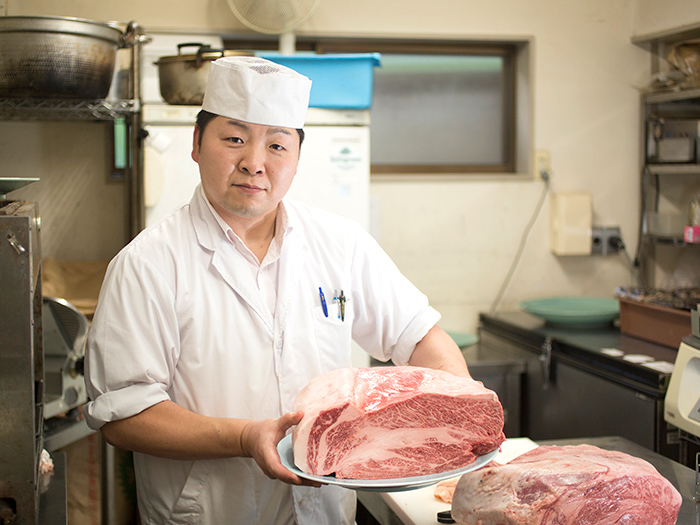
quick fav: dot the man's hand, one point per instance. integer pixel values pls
(259, 440)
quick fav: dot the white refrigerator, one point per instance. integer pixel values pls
(333, 172)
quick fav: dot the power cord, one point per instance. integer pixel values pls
(545, 189)
(616, 243)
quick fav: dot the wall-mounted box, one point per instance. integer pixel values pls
(571, 224)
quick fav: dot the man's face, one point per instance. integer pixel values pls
(246, 169)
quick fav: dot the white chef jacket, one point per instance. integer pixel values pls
(180, 318)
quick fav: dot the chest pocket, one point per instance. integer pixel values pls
(333, 335)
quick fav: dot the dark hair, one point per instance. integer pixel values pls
(205, 117)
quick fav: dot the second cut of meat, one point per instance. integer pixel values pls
(394, 422)
(570, 485)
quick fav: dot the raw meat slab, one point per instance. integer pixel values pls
(394, 422)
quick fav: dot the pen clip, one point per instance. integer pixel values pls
(341, 300)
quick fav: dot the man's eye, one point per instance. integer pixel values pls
(236, 140)
(277, 147)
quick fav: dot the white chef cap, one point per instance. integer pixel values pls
(258, 91)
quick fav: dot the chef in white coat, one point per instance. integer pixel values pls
(210, 322)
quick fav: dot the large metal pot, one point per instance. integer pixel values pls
(183, 77)
(57, 57)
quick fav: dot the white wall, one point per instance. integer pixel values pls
(456, 237)
(586, 114)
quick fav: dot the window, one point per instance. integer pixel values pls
(443, 106)
(441, 113)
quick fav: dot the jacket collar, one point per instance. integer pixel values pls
(211, 230)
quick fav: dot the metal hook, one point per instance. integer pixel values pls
(15, 244)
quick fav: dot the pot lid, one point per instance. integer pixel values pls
(203, 53)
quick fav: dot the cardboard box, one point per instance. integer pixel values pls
(84, 476)
(339, 81)
(658, 324)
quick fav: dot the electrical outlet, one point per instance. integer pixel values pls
(605, 240)
(541, 163)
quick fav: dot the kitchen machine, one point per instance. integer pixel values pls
(41, 355)
(682, 404)
(21, 359)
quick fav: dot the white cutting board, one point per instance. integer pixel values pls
(420, 507)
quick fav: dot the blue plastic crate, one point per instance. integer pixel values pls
(341, 81)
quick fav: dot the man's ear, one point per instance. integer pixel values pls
(195, 144)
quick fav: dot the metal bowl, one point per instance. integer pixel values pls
(57, 57)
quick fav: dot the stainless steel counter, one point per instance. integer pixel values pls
(588, 346)
(624, 380)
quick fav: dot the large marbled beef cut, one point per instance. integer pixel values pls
(571, 485)
(394, 422)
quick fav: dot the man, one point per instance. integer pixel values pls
(210, 322)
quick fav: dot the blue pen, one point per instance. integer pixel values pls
(323, 301)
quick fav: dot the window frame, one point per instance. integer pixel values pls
(517, 125)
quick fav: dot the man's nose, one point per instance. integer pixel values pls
(252, 161)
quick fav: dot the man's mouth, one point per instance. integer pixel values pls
(249, 187)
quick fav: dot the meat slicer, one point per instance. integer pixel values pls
(65, 331)
(682, 403)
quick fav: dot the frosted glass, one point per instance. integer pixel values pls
(438, 110)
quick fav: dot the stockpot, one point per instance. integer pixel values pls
(183, 77)
(57, 57)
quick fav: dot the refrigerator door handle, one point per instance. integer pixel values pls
(546, 363)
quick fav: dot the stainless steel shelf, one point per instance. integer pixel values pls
(680, 104)
(672, 96)
(66, 109)
(673, 169)
(666, 239)
(671, 36)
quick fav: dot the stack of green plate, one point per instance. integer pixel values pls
(574, 311)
